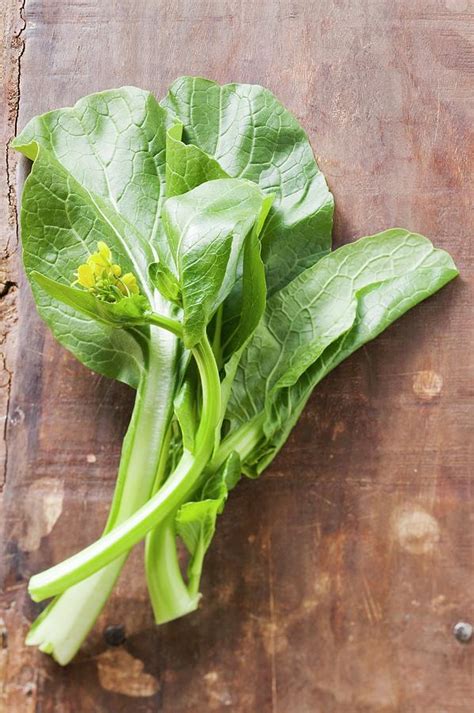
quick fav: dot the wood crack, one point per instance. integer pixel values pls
(13, 46)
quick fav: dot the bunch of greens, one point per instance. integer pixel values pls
(184, 248)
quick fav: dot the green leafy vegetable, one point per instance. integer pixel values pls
(251, 135)
(207, 229)
(184, 249)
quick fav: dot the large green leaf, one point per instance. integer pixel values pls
(98, 174)
(251, 135)
(376, 310)
(113, 143)
(207, 229)
(326, 313)
(61, 224)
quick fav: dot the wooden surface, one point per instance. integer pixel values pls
(335, 580)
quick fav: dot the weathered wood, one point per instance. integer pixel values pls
(11, 47)
(334, 581)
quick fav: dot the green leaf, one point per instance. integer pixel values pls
(207, 229)
(186, 165)
(224, 480)
(196, 520)
(362, 286)
(113, 144)
(165, 281)
(128, 312)
(61, 224)
(98, 174)
(245, 305)
(376, 310)
(251, 135)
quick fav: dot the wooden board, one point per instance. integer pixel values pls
(335, 580)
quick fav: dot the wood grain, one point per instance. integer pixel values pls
(335, 580)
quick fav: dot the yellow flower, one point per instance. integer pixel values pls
(104, 251)
(103, 278)
(129, 281)
(101, 261)
(85, 276)
(97, 263)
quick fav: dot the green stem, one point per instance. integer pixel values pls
(62, 627)
(174, 491)
(169, 594)
(161, 320)
(242, 441)
(170, 597)
(216, 339)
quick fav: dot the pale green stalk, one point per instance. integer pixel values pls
(62, 627)
(175, 490)
(170, 596)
